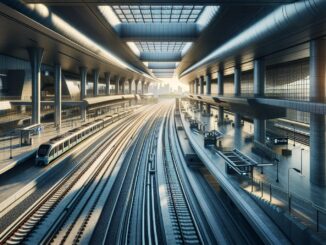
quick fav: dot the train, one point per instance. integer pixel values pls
(58, 145)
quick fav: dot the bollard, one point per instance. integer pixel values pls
(270, 192)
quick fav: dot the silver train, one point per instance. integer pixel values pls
(55, 147)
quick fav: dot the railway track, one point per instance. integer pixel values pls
(122, 220)
(44, 220)
(184, 224)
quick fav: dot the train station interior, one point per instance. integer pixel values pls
(162, 122)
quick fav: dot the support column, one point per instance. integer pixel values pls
(259, 130)
(220, 91)
(201, 82)
(237, 82)
(147, 87)
(208, 79)
(136, 86)
(107, 82)
(259, 91)
(117, 85)
(193, 83)
(130, 83)
(237, 120)
(317, 121)
(220, 82)
(83, 82)
(208, 84)
(83, 91)
(237, 93)
(201, 91)
(259, 78)
(220, 115)
(36, 56)
(58, 82)
(123, 86)
(142, 87)
(196, 86)
(96, 75)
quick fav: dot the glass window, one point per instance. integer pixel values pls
(43, 150)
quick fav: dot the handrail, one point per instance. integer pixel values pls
(314, 205)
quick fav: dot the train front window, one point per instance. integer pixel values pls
(43, 150)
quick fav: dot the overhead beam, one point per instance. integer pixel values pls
(158, 31)
(159, 65)
(161, 2)
(166, 75)
(152, 57)
(163, 71)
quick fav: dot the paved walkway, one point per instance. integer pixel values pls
(302, 191)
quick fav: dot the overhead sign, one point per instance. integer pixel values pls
(280, 141)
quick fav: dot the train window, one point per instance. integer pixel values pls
(60, 147)
(65, 144)
(51, 153)
(43, 150)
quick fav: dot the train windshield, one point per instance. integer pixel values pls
(43, 150)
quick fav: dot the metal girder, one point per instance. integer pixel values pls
(164, 75)
(170, 2)
(163, 71)
(159, 65)
(158, 31)
(150, 56)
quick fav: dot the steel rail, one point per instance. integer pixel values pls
(27, 222)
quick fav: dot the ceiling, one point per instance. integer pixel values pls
(164, 39)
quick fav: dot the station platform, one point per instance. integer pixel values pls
(305, 196)
(18, 154)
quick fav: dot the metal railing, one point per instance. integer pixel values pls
(305, 210)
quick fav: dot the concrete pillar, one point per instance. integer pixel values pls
(259, 78)
(237, 120)
(317, 121)
(123, 86)
(142, 87)
(237, 82)
(35, 56)
(237, 92)
(208, 79)
(196, 86)
(220, 82)
(83, 82)
(259, 91)
(201, 86)
(107, 83)
(83, 91)
(259, 130)
(193, 83)
(147, 87)
(136, 86)
(201, 82)
(220, 115)
(130, 83)
(208, 84)
(58, 82)
(96, 75)
(117, 86)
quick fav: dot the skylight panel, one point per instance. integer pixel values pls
(158, 13)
